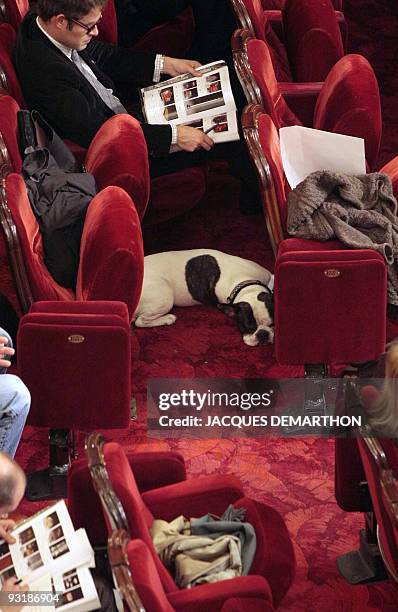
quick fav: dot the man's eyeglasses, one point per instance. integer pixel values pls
(85, 26)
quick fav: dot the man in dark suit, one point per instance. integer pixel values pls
(74, 91)
(71, 78)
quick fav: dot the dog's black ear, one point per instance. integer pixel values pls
(268, 299)
(228, 309)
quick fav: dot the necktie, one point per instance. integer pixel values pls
(105, 94)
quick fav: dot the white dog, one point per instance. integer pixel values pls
(240, 288)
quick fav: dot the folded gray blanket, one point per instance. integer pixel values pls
(360, 211)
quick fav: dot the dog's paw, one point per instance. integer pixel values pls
(155, 320)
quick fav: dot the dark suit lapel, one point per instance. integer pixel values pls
(101, 76)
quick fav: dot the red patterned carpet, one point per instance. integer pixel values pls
(293, 475)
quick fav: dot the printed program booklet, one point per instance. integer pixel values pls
(51, 557)
(204, 102)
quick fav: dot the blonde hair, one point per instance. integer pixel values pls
(383, 417)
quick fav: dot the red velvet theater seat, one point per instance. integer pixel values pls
(136, 577)
(312, 42)
(173, 38)
(14, 11)
(274, 557)
(150, 469)
(348, 102)
(312, 37)
(111, 254)
(341, 291)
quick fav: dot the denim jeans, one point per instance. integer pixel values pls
(14, 408)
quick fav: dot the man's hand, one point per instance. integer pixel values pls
(190, 139)
(10, 586)
(173, 66)
(7, 525)
(4, 351)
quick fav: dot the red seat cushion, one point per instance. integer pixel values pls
(242, 594)
(118, 156)
(111, 250)
(349, 103)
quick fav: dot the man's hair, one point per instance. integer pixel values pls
(10, 473)
(72, 9)
(7, 490)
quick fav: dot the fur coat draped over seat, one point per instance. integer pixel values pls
(360, 211)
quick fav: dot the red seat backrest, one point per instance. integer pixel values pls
(107, 27)
(312, 37)
(251, 16)
(349, 103)
(260, 63)
(111, 250)
(262, 141)
(9, 129)
(269, 140)
(7, 43)
(16, 11)
(257, 17)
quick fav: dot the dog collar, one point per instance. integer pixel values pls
(232, 296)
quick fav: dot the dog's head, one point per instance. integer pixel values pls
(254, 315)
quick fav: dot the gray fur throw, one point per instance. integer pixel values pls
(360, 211)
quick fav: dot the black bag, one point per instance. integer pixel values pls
(59, 194)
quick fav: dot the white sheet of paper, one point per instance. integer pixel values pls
(305, 150)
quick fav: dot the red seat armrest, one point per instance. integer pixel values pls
(301, 99)
(275, 19)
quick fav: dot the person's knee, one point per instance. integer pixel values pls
(15, 393)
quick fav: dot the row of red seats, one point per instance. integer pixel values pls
(64, 334)
(305, 39)
(346, 102)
